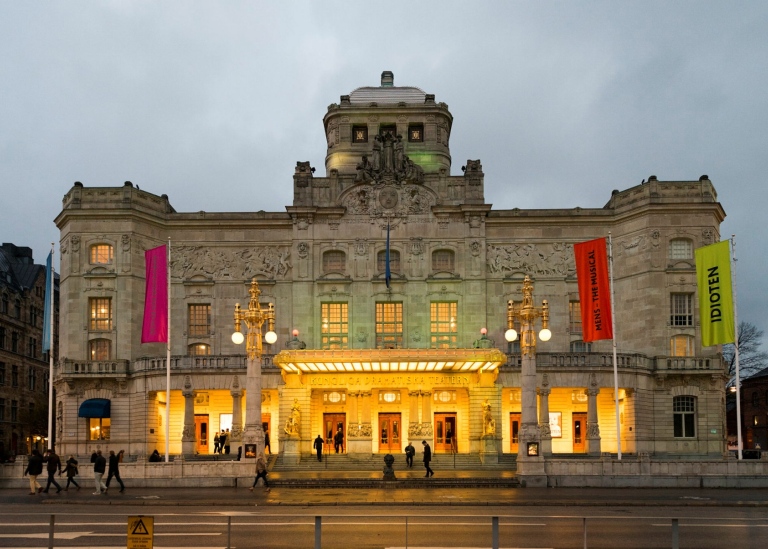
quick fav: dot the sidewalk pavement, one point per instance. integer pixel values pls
(380, 493)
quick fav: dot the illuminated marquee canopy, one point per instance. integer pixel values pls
(390, 360)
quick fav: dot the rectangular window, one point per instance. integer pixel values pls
(684, 412)
(681, 310)
(14, 410)
(2, 337)
(14, 376)
(574, 313)
(2, 373)
(101, 254)
(389, 325)
(199, 320)
(98, 428)
(681, 345)
(2, 409)
(31, 347)
(442, 260)
(334, 261)
(335, 325)
(443, 324)
(100, 349)
(31, 379)
(15, 342)
(581, 347)
(101, 313)
(680, 248)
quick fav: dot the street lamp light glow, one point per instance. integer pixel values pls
(510, 335)
(238, 338)
(545, 335)
(270, 337)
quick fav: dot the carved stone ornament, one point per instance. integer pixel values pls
(303, 249)
(388, 163)
(535, 259)
(225, 263)
(388, 200)
(420, 430)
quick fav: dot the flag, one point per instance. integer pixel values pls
(48, 308)
(387, 271)
(713, 275)
(155, 327)
(594, 289)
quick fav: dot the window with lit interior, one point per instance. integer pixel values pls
(574, 317)
(199, 320)
(100, 313)
(389, 325)
(334, 326)
(199, 349)
(100, 349)
(98, 428)
(101, 254)
(681, 345)
(443, 324)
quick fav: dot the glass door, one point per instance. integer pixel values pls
(579, 432)
(514, 432)
(445, 433)
(201, 433)
(332, 425)
(389, 433)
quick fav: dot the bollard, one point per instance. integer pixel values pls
(50, 532)
(585, 532)
(675, 534)
(229, 531)
(495, 529)
(318, 523)
(406, 532)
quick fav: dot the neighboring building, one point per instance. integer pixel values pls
(24, 368)
(388, 363)
(754, 412)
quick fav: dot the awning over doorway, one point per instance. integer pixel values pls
(390, 360)
(95, 407)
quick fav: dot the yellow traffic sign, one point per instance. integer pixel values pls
(141, 532)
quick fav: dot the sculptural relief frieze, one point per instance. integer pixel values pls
(538, 259)
(388, 200)
(230, 263)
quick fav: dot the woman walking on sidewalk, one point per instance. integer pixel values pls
(261, 472)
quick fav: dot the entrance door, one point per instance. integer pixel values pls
(579, 432)
(266, 419)
(389, 433)
(332, 423)
(445, 433)
(514, 432)
(201, 433)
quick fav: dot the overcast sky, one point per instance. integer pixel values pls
(212, 103)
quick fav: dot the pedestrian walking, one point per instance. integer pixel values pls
(267, 447)
(338, 440)
(114, 470)
(410, 451)
(427, 459)
(216, 443)
(99, 466)
(261, 472)
(226, 442)
(53, 466)
(34, 469)
(71, 471)
(318, 445)
(222, 441)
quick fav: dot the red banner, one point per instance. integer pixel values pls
(155, 327)
(594, 289)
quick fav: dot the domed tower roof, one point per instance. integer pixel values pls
(407, 111)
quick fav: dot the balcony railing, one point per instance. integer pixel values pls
(94, 367)
(623, 360)
(198, 362)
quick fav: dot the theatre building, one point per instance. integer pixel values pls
(389, 278)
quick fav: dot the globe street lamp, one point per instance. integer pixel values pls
(530, 461)
(254, 318)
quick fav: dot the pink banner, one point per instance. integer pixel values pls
(155, 327)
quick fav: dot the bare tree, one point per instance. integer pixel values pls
(751, 359)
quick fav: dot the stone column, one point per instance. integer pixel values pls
(593, 428)
(253, 432)
(546, 432)
(237, 414)
(426, 412)
(414, 420)
(188, 439)
(530, 468)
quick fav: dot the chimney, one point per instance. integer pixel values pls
(387, 79)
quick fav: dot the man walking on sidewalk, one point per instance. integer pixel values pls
(114, 470)
(319, 447)
(53, 465)
(34, 468)
(427, 458)
(99, 466)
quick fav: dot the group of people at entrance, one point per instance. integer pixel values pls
(221, 442)
(410, 451)
(338, 443)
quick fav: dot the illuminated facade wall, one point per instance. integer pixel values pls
(454, 261)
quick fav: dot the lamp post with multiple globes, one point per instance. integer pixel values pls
(530, 463)
(254, 318)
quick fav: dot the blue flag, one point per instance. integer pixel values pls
(387, 272)
(48, 303)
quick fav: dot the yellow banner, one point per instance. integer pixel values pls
(713, 274)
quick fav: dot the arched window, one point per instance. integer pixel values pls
(394, 261)
(101, 254)
(334, 261)
(443, 260)
(680, 248)
(100, 349)
(684, 416)
(581, 347)
(681, 345)
(199, 349)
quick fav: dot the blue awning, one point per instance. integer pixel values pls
(95, 407)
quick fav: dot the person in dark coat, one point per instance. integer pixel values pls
(222, 441)
(99, 466)
(410, 451)
(53, 465)
(216, 443)
(318, 445)
(267, 447)
(71, 471)
(34, 469)
(226, 442)
(427, 458)
(114, 470)
(261, 472)
(155, 457)
(338, 441)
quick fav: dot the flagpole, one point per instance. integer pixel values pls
(613, 339)
(736, 347)
(50, 358)
(168, 362)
